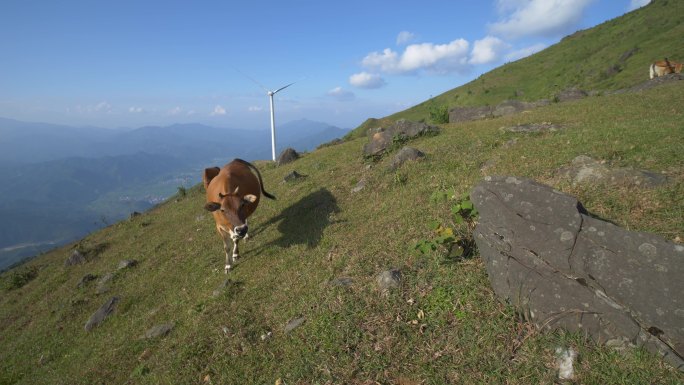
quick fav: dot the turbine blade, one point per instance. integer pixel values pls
(250, 78)
(282, 88)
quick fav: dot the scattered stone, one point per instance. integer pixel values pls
(533, 127)
(510, 107)
(294, 323)
(510, 143)
(199, 218)
(466, 114)
(85, 279)
(561, 268)
(266, 336)
(294, 175)
(103, 312)
(388, 280)
(652, 83)
(127, 263)
(76, 258)
(585, 169)
(405, 154)
(342, 282)
(103, 283)
(382, 138)
(287, 156)
(159, 330)
(359, 186)
(565, 358)
(571, 94)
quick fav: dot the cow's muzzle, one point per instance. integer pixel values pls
(240, 231)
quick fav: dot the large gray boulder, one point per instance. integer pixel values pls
(562, 268)
(383, 138)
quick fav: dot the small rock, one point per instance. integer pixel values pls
(294, 175)
(287, 156)
(145, 355)
(76, 258)
(388, 280)
(293, 324)
(405, 154)
(159, 330)
(565, 359)
(266, 336)
(103, 283)
(103, 312)
(359, 186)
(127, 263)
(342, 281)
(85, 279)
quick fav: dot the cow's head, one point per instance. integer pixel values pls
(232, 207)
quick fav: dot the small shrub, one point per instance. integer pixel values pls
(439, 114)
(182, 192)
(21, 277)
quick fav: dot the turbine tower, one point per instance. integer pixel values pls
(273, 138)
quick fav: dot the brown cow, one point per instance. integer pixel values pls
(233, 193)
(664, 67)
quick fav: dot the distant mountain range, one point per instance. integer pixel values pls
(57, 183)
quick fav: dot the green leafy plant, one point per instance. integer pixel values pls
(454, 241)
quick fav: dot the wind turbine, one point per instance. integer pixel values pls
(270, 97)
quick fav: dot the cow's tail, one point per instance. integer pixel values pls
(652, 72)
(256, 170)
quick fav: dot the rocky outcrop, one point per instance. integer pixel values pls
(562, 268)
(466, 114)
(288, 155)
(76, 258)
(383, 138)
(571, 94)
(584, 169)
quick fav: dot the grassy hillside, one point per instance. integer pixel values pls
(610, 56)
(444, 325)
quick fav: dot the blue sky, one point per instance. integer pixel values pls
(134, 63)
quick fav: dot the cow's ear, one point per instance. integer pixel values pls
(250, 198)
(212, 206)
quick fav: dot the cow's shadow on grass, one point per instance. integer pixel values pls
(304, 221)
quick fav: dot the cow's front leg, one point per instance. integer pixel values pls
(229, 260)
(236, 252)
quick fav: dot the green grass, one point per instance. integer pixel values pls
(444, 325)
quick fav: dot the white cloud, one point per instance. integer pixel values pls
(405, 37)
(341, 94)
(439, 58)
(255, 108)
(175, 110)
(525, 52)
(366, 80)
(191, 112)
(538, 17)
(136, 110)
(487, 50)
(634, 4)
(103, 107)
(218, 110)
